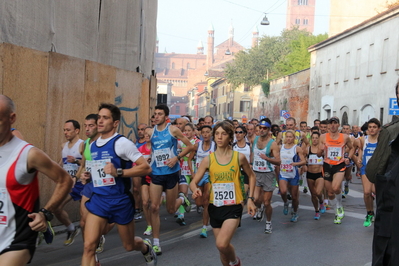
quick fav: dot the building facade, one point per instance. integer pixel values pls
(301, 13)
(353, 73)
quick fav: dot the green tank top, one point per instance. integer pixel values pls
(86, 151)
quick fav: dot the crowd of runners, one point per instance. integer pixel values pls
(227, 166)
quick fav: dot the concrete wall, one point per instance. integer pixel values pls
(289, 93)
(355, 72)
(50, 88)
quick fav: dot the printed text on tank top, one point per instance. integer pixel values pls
(335, 149)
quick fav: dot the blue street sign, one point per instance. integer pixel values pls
(230, 118)
(282, 112)
(287, 115)
(393, 107)
(262, 117)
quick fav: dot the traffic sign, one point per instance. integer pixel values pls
(393, 106)
(286, 115)
(282, 112)
(244, 119)
(230, 118)
(262, 117)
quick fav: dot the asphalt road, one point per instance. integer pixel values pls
(307, 242)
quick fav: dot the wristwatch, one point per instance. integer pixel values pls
(49, 216)
(119, 172)
(252, 198)
(178, 157)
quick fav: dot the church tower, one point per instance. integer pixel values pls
(255, 37)
(211, 45)
(301, 13)
(231, 35)
(200, 48)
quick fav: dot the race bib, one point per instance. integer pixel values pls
(314, 160)
(259, 164)
(285, 166)
(3, 207)
(71, 168)
(161, 156)
(99, 177)
(185, 170)
(223, 194)
(334, 153)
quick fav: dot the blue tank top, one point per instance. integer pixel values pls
(138, 144)
(368, 150)
(107, 151)
(163, 148)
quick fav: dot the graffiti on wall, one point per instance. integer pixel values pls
(129, 119)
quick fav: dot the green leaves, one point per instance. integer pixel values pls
(275, 56)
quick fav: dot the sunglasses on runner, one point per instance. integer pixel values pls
(239, 132)
(264, 128)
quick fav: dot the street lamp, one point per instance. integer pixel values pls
(265, 21)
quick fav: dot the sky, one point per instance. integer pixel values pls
(181, 24)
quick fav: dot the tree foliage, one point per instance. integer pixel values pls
(274, 57)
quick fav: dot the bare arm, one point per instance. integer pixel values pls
(200, 173)
(301, 157)
(142, 168)
(321, 146)
(190, 159)
(251, 176)
(275, 152)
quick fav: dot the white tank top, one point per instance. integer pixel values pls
(17, 188)
(246, 150)
(287, 158)
(201, 153)
(71, 168)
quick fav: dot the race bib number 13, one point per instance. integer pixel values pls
(223, 194)
(3, 207)
(99, 177)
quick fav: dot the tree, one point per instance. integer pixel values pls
(269, 60)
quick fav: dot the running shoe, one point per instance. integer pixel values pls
(238, 262)
(268, 228)
(186, 203)
(148, 231)
(151, 256)
(327, 206)
(71, 236)
(337, 220)
(340, 212)
(157, 249)
(180, 220)
(260, 213)
(138, 215)
(285, 209)
(49, 234)
(368, 221)
(39, 238)
(322, 208)
(294, 217)
(100, 247)
(317, 216)
(343, 195)
(204, 233)
(305, 190)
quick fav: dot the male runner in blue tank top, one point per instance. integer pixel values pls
(112, 202)
(165, 169)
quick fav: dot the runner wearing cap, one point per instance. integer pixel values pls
(265, 154)
(333, 145)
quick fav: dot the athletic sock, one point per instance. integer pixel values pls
(71, 227)
(234, 262)
(339, 200)
(333, 203)
(156, 241)
(182, 200)
(326, 202)
(204, 226)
